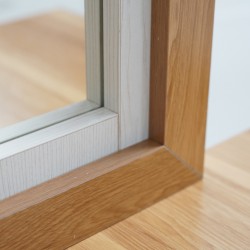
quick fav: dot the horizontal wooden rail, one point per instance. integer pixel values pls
(70, 208)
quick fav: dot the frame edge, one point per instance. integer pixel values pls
(129, 181)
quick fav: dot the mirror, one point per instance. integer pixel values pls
(47, 49)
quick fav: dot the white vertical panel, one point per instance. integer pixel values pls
(112, 46)
(135, 71)
(93, 48)
(127, 35)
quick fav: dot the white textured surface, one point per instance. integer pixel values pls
(135, 71)
(127, 61)
(93, 51)
(112, 48)
(73, 144)
(229, 100)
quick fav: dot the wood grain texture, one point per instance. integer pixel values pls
(180, 69)
(56, 150)
(132, 182)
(211, 214)
(42, 67)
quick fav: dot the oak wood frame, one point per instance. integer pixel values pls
(70, 208)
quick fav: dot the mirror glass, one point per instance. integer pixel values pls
(43, 63)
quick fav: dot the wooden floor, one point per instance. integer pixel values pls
(42, 65)
(212, 214)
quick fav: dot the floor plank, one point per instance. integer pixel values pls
(212, 214)
(42, 65)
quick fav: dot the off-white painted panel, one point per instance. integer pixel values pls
(135, 71)
(63, 147)
(127, 30)
(66, 146)
(93, 47)
(112, 47)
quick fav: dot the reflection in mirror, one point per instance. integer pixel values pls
(43, 63)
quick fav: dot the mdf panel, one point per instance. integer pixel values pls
(111, 53)
(93, 47)
(127, 30)
(56, 150)
(135, 71)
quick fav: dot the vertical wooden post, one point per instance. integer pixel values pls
(180, 69)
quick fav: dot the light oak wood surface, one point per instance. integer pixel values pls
(91, 198)
(212, 214)
(42, 65)
(180, 69)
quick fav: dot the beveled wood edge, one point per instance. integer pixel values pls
(92, 198)
(75, 178)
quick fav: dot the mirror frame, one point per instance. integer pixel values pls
(68, 209)
(93, 19)
(61, 148)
